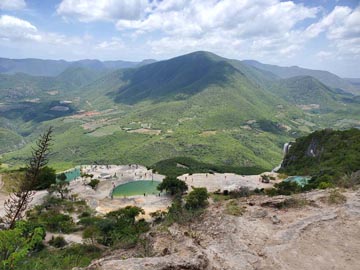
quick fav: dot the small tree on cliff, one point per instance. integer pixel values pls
(19, 200)
(173, 186)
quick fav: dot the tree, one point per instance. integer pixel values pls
(173, 186)
(16, 243)
(127, 214)
(197, 198)
(61, 187)
(19, 200)
(62, 177)
(94, 183)
(46, 178)
(91, 233)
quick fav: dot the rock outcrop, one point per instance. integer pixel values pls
(316, 233)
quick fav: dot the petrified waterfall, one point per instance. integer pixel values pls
(286, 148)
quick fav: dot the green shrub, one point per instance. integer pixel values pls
(292, 203)
(197, 198)
(16, 243)
(85, 214)
(271, 192)
(173, 186)
(67, 258)
(94, 183)
(287, 188)
(57, 241)
(325, 185)
(56, 222)
(91, 234)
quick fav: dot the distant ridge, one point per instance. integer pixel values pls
(325, 77)
(52, 68)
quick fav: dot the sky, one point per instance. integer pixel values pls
(317, 34)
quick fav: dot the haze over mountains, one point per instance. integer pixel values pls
(199, 105)
(40, 67)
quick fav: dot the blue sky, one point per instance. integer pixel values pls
(318, 34)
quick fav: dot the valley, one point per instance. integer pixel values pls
(198, 137)
(201, 106)
(179, 135)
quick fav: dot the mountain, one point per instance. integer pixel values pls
(39, 67)
(325, 77)
(201, 107)
(355, 82)
(77, 76)
(177, 78)
(306, 90)
(21, 86)
(36, 67)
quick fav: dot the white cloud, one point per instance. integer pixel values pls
(12, 4)
(105, 10)
(347, 27)
(342, 29)
(242, 25)
(113, 44)
(339, 13)
(13, 28)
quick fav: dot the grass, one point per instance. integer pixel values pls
(335, 197)
(61, 259)
(219, 197)
(232, 208)
(293, 202)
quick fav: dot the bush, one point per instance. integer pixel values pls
(94, 183)
(158, 216)
(91, 233)
(57, 242)
(118, 228)
(325, 185)
(85, 214)
(287, 188)
(271, 192)
(350, 180)
(55, 222)
(197, 198)
(241, 192)
(335, 197)
(66, 258)
(173, 186)
(292, 203)
(16, 243)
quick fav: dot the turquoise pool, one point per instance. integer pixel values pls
(300, 180)
(137, 187)
(72, 174)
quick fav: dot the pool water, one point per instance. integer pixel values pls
(300, 180)
(72, 174)
(138, 187)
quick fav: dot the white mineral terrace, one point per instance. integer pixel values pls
(111, 176)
